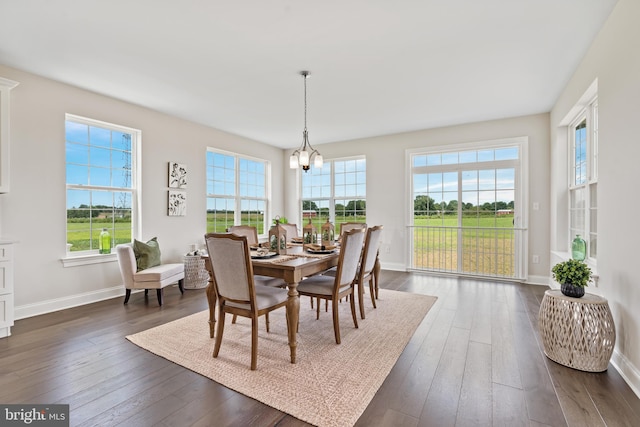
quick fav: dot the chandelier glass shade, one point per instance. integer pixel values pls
(303, 155)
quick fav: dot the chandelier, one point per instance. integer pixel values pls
(303, 155)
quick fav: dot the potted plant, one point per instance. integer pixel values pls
(573, 276)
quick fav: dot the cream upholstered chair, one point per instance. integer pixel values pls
(346, 226)
(292, 230)
(157, 277)
(342, 285)
(366, 267)
(251, 233)
(235, 288)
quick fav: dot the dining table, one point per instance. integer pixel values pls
(292, 267)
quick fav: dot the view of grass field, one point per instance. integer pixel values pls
(488, 244)
(83, 233)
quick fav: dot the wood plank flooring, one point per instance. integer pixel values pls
(475, 360)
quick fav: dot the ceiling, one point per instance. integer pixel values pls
(377, 66)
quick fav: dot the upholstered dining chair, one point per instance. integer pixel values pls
(251, 233)
(235, 287)
(340, 286)
(292, 230)
(346, 226)
(366, 267)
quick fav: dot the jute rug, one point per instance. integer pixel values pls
(330, 385)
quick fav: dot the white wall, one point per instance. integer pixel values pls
(614, 59)
(386, 192)
(33, 212)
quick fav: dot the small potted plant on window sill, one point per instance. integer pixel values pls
(573, 275)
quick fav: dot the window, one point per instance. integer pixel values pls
(583, 178)
(101, 183)
(465, 207)
(236, 191)
(337, 190)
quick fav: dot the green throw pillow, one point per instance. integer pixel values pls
(147, 254)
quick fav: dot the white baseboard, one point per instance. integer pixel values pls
(629, 372)
(538, 280)
(393, 266)
(30, 310)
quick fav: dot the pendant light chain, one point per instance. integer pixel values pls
(305, 99)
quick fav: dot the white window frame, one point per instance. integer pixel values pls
(331, 199)
(237, 198)
(72, 259)
(583, 219)
(521, 217)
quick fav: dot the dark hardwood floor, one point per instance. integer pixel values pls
(475, 360)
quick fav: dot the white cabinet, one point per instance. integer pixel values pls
(5, 88)
(6, 288)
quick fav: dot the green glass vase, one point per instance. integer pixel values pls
(104, 242)
(578, 248)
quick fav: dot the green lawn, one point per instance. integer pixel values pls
(487, 244)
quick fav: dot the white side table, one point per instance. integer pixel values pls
(577, 332)
(196, 275)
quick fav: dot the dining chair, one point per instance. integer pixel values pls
(235, 287)
(251, 233)
(366, 268)
(292, 231)
(340, 286)
(346, 226)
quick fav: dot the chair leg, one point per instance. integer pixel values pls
(336, 321)
(181, 285)
(266, 318)
(373, 291)
(311, 299)
(254, 343)
(317, 308)
(146, 292)
(360, 298)
(353, 310)
(127, 295)
(235, 317)
(216, 348)
(159, 292)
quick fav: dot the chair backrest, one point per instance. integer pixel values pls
(350, 252)
(346, 226)
(249, 231)
(370, 250)
(127, 263)
(292, 230)
(231, 265)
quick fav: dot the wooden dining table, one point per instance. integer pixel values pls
(292, 268)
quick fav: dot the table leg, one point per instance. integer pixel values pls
(293, 311)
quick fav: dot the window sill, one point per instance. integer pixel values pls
(75, 261)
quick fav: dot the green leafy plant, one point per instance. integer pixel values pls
(282, 219)
(572, 272)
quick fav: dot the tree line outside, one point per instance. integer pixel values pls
(85, 223)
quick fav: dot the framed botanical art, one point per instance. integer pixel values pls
(177, 175)
(177, 203)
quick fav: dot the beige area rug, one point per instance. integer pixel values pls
(330, 385)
